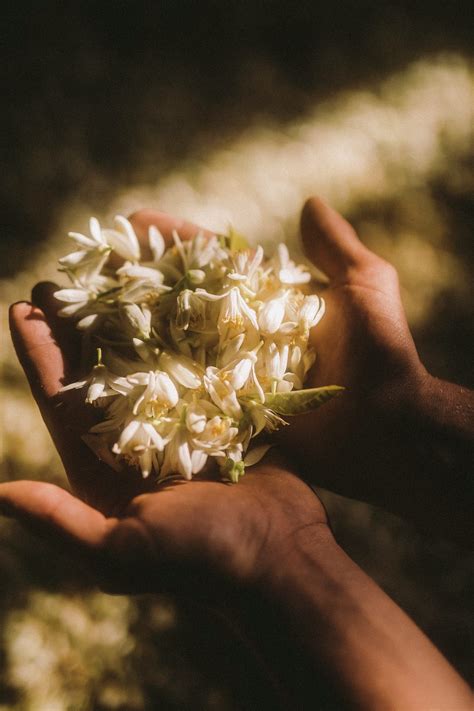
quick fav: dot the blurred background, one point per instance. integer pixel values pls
(226, 112)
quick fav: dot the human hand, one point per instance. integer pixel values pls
(364, 344)
(135, 537)
(397, 437)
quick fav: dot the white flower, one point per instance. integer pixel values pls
(190, 311)
(235, 316)
(96, 241)
(275, 359)
(230, 349)
(271, 314)
(137, 319)
(139, 282)
(156, 242)
(245, 269)
(264, 418)
(87, 263)
(97, 385)
(311, 311)
(221, 392)
(253, 388)
(84, 293)
(87, 322)
(287, 271)
(196, 418)
(158, 396)
(100, 383)
(185, 371)
(123, 240)
(136, 272)
(217, 435)
(238, 372)
(198, 252)
(178, 456)
(139, 444)
(76, 298)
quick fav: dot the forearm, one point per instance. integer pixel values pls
(427, 453)
(338, 624)
(407, 447)
(446, 414)
(441, 451)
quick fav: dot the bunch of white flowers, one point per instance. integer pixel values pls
(199, 347)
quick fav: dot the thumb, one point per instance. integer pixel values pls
(56, 514)
(330, 241)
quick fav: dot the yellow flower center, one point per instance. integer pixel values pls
(217, 429)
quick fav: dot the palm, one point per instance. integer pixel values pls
(212, 528)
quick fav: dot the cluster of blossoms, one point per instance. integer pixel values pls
(200, 346)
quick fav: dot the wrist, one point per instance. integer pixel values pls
(298, 559)
(276, 614)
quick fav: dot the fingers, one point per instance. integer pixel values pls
(55, 513)
(44, 365)
(37, 350)
(143, 219)
(330, 241)
(63, 330)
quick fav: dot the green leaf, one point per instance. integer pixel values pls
(297, 402)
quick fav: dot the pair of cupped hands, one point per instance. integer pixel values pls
(135, 538)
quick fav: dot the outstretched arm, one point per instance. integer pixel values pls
(398, 437)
